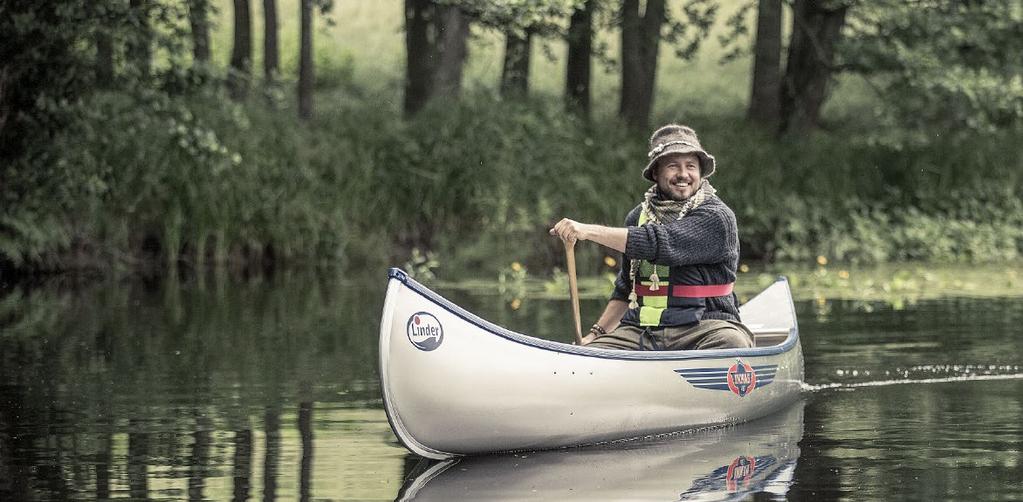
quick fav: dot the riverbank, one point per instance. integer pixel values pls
(193, 180)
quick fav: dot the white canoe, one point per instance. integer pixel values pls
(455, 384)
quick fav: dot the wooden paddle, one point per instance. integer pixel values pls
(573, 287)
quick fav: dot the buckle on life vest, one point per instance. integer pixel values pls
(688, 290)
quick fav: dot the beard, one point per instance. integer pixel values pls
(667, 191)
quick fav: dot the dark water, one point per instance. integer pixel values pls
(264, 390)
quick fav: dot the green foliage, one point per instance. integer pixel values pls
(477, 184)
(941, 65)
(40, 58)
(858, 201)
(539, 16)
(686, 32)
(184, 174)
(420, 265)
(737, 39)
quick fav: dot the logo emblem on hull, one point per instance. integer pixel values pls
(424, 331)
(740, 378)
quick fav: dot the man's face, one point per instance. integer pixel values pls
(678, 175)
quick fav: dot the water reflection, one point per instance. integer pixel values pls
(717, 464)
(272, 429)
(267, 390)
(175, 390)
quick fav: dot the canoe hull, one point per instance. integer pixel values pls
(454, 384)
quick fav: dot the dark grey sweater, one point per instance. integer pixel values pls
(705, 242)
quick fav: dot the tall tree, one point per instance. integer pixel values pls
(641, 36)
(198, 20)
(305, 62)
(435, 51)
(418, 54)
(580, 56)
(452, 50)
(140, 38)
(816, 30)
(271, 54)
(765, 95)
(241, 51)
(515, 70)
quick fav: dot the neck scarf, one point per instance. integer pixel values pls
(659, 211)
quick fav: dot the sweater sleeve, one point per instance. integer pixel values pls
(706, 235)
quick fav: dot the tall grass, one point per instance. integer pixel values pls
(199, 179)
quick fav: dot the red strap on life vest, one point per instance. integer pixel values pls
(687, 290)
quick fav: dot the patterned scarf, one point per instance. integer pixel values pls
(659, 211)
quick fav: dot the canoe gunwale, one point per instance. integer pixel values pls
(790, 342)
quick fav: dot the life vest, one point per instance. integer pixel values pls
(675, 298)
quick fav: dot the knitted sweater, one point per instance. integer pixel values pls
(705, 242)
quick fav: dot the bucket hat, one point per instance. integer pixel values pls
(674, 138)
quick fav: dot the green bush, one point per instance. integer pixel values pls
(476, 182)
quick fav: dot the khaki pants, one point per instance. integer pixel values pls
(706, 334)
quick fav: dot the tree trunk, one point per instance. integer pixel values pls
(305, 62)
(765, 96)
(104, 59)
(198, 18)
(435, 52)
(271, 55)
(418, 53)
(515, 71)
(815, 33)
(139, 42)
(641, 36)
(580, 55)
(453, 49)
(241, 52)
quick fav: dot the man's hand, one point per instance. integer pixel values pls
(589, 338)
(570, 230)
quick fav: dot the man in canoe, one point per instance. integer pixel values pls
(680, 250)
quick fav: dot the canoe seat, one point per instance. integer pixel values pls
(769, 338)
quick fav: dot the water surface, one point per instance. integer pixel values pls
(217, 389)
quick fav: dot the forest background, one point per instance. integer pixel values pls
(448, 135)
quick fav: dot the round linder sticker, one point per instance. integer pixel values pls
(425, 331)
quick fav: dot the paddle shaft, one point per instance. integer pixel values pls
(573, 287)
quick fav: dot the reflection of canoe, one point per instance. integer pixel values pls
(727, 463)
(455, 384)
